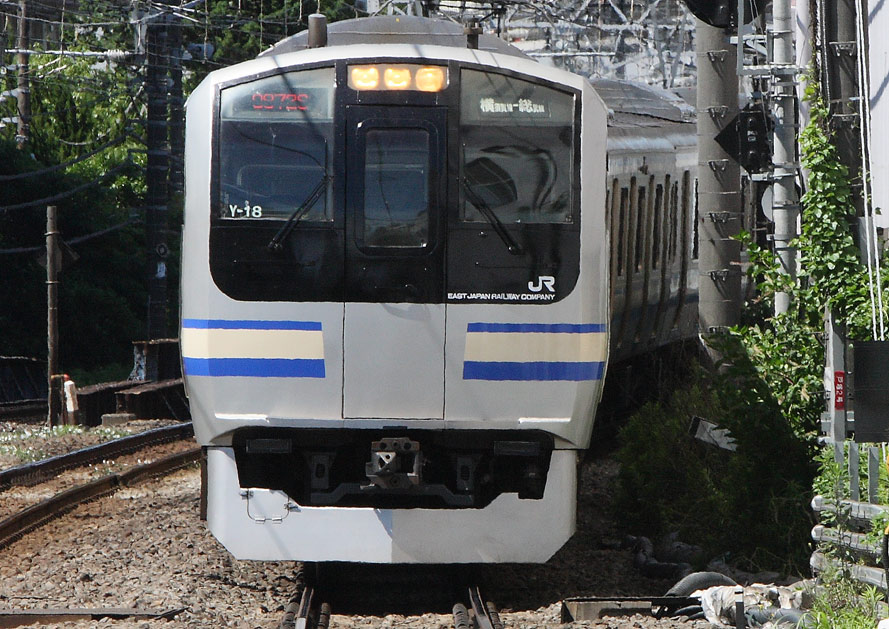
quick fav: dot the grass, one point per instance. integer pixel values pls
(26, 443)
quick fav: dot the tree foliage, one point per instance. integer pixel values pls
(84, 105)
(767, 391)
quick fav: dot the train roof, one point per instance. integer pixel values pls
(627, 99)
(390, 29)
(646, 118)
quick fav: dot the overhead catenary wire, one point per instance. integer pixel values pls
(44, 171)
(67, 193)
(74, 241)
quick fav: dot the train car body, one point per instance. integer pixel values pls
(395, 295)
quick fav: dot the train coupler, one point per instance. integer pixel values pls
(395, 463)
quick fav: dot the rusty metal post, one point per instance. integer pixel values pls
(53, 262)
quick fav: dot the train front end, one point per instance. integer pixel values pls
(394, 302)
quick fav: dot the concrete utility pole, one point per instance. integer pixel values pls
(785, 200)
(23, 129)
(841, 87)
(158, 166)
(53, 262)
(719, 183)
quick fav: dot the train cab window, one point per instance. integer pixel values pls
(517, 150)
(396, 188)
(277, 133)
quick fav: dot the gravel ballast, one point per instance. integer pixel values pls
(146, 548)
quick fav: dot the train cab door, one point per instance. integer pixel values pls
(393, 333)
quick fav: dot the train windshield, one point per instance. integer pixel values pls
(517, 150)
(396, 188)
(278, 134)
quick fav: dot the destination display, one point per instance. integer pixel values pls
(501, 99)
(306, 95)
(311, 102)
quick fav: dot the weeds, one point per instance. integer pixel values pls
(843, 603)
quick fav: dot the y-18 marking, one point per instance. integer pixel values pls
(248, 211)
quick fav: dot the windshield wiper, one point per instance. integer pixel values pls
(275, 244)
(511, 245)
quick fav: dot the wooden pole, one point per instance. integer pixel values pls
(53, 260)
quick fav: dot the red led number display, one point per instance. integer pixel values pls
(280, 101)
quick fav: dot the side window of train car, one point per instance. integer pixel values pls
(277, 134)
(657, 222)
(693, 200)
(639, 246)
(622, 228)
(673, 216)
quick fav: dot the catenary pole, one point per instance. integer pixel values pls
(157, 172)
(719, 197)
(785, 199)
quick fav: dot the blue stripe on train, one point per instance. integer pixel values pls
(570, 371)
(562, 328)
(224, 324)
(256, 367)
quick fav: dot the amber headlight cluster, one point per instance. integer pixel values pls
(398, 77)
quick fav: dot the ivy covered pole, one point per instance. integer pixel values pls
(785, 201)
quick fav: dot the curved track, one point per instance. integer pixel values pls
(38, 471)
(32, 517)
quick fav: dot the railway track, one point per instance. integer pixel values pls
(17, 524)
(38, 471)
(308, 609)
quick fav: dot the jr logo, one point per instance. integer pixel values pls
(547, 281)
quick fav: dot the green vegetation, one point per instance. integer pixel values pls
(843, 603)
(767, 392)
(25, 442)
(93, 110)
(750, 502)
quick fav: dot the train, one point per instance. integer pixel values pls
(409, 254)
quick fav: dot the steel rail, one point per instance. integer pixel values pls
(30, 473)
(27, 520)
(30, 617)
(485, 615)
(299, 613)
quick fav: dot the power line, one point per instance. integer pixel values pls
(67, 193)
(75, 241)
(51, 169)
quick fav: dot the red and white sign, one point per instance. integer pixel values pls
(839, 390)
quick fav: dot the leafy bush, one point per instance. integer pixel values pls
(751, 503)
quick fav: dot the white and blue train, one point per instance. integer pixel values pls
(406, 261)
